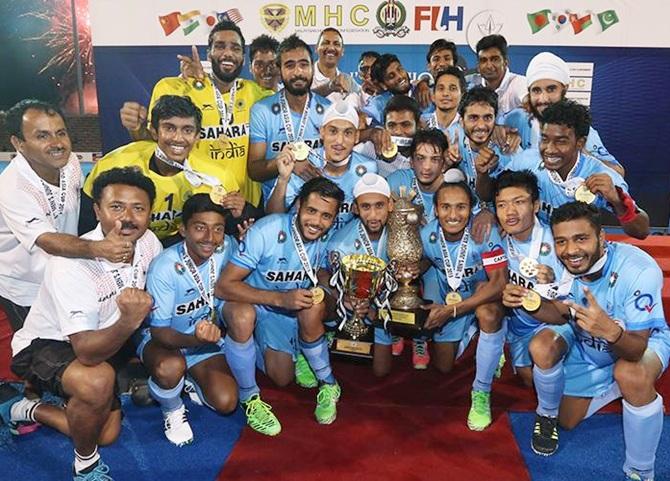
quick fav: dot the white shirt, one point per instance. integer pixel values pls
(383, 168)
(80, 294)
(352, 97)
(26, 214)
(511, 91)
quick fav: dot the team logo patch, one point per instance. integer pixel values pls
(275, 108)
(240, 104)
(361, 170)
(545, 249)
(541, 166)
(198, 85)
(612, 280)
(179, 267)
(319, 109)
(281, 237)
(274, 16)
(432, 238)
(357, 244)
(644, 302)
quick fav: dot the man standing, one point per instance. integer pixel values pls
(448, 89)
(271, 291)
(84, 313)
(619, 342)
(291, 116)
(328, 80)
(39, 207)
(263, 62)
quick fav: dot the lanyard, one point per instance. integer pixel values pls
(224, 111)
(455, 277)
(207, 294)
(194, 177)
(365, 239)
(286, 118)
(535, 243)
(134, 276)
(570, 184)
(302, 253)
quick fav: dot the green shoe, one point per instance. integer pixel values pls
(501, 364)
(479, 417)
(326, 403)
(304, 376)
(330, 338)
(260, 417)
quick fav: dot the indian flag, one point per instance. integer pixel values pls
(189, 21)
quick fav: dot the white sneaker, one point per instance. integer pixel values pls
(192, 392)
(177, 429)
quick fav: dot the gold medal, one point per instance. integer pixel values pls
(583, 194)
(217, 193)
(452, 298)
(531, 301)
(317, 295)
(300, 151)
(391, 152)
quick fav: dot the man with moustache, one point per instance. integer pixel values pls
(263, 62)
(224, 99)
(182, 336)
(565, 172)
(329, 81)
(619, 342)
(175, 166)
(548, 78)
(336, 161)
(85, 311)
(448, 89)
(289, 119)
(471, 278)
(272, 297)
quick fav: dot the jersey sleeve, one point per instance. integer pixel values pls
(595, 146)
(24, 217)
(643, 307)
(251, 249)
(492, 253)
(161, 286)
(259, 124)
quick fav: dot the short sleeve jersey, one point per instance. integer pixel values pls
(231, 156)
(553, 195)
(171, 191)
(267, 127)
(629, 291)
(178, 303)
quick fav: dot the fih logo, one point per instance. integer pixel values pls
(274, 16)
(391, 16)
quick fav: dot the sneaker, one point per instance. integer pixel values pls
(8, 397)
(420, 354)
(398, 346)
(635, 476)
(326, 403)
(479, 417)
(260, 417)
(98, 472)
(330, 338)
(304, 376)
(21, 416)
(176, 426)
(501, 364)
(545, 435)
(192, 392)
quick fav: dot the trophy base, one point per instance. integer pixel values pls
(344, 345)
(407, 322)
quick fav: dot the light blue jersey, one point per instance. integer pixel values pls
(358, 166)
(374, 108)
(267, 126)
(348, 240)
(553, 195)
(529, 130)
(269, 253)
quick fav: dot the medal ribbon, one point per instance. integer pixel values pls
(220, 104)
(302, 253)
(367, 243)
(207, 294)
(535, 243)
(455, 276)
(57, 207)
(286, 118)
(194, 177)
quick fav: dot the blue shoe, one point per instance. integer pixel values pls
(98, 472)
(8, 397)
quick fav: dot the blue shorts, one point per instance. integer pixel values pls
(518, 344)
(192, 355)
(584, 379)
(274, 330)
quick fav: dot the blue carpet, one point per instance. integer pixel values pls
(594, 450)
(143, 454)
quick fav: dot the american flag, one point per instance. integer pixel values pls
(233, 15)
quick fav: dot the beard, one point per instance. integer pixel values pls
(288, 85)
(225, 77)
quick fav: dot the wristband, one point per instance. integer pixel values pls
(619, 336)
(629, 205)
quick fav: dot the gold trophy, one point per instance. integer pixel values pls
(404, 248)
(360, 277)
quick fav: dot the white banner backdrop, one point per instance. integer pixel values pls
(613, 23)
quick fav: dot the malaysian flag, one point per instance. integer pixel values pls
(233, 15)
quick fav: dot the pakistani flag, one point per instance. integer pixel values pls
(538, 20)
(607, 19)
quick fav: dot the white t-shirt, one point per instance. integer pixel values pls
(511, 91)
(80, 294)
(352, 98)
(30, 207)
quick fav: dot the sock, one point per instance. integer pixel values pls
(489, 350)
(241, 357)
(603, 400)
(642, 428)
(317, 356)
(467, 337)
(549, 385)
(24, 410)
(169, 399)
(81, 463)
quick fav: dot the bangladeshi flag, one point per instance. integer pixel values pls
(169, 22)
(538, 20)
(580, 24)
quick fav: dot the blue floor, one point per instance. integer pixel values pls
(593, 451)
